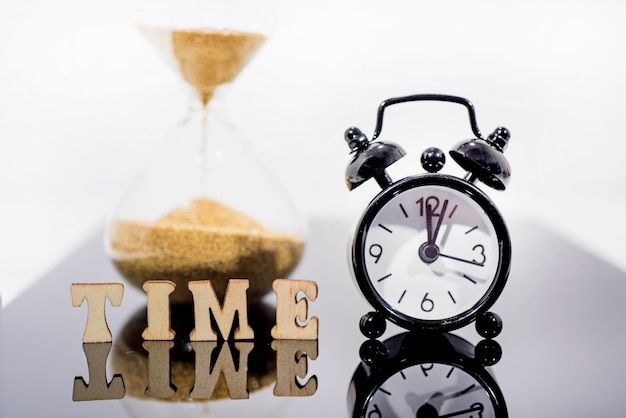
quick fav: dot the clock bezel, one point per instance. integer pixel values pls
(483, 201)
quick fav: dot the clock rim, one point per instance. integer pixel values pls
(504, 249)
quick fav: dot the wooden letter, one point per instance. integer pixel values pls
(290, 310)
(207, 374)
(96, 330)
(291, 364)
(158, 292)
(159, 369)
(206, 304)
(98, 387)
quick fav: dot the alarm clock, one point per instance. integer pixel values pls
(431, 251)
(425, 375)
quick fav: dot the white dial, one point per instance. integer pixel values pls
(431, 252)
(430, 390)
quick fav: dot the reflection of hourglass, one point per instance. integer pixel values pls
(199, 378)
(203, 208)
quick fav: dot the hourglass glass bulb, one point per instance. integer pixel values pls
(203, 207)
(205, 58)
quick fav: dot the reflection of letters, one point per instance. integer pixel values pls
(158, 294)
(290, 310)
(206, 305)
(291, 364)
(159, 385)
(98, 387)
(207, 376)
(212, 360)
(96, 330)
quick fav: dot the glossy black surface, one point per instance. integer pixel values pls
(562, 342)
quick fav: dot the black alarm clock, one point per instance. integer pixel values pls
(426, 375)
(431, 251)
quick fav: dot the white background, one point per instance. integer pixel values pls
(83, 100)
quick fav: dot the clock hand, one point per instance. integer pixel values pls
(461, 259)
(477, 407)
(429, 222)
(429, 251)
(439, 268)
(433, 236)
(440, 397)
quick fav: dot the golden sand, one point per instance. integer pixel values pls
(210, 58)
(203, 240)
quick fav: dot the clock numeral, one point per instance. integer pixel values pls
(385, 228)
(402, 296)
(450, 373)
(426, 368)
(433, 201)
(427, 304)
(481, 249)
(375, 413)
(376, 250)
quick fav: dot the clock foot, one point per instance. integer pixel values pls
(488, 325)
(373, 352)
(372, 325)
(488, 352)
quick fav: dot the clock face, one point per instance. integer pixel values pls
(432, 250)
(431, 390)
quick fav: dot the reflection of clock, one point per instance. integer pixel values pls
(431, 251)
(432, 375)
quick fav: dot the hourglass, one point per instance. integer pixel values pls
(203, 207)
